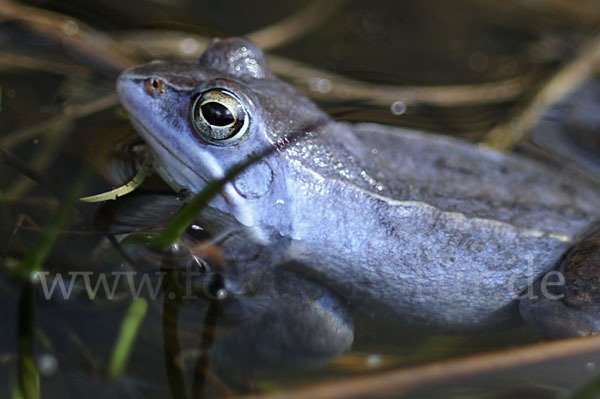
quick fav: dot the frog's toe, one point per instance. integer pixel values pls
(566, 303)
(557, 318)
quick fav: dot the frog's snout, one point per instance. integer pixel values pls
(133, 89)
(127, 87)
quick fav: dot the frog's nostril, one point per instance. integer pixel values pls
(154, 87)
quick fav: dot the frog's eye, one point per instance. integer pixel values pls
(219, 117)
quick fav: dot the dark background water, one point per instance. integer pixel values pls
(45, 76)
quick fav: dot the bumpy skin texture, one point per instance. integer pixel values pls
(430, 229)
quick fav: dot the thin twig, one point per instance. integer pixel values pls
(42, 157)
(399, 381)
(172, 303)
(58, 68)
(296, 25)
(14, 161)
(564, 82)
(19, 136)
(180, 44)
(163, 43)
(207, 339)
(565, 11)
(339, 87)
(73, 34)
(193, 355)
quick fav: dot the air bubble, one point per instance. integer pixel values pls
(320, 85)
(398, 107)
(189, 46)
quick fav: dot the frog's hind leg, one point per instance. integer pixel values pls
(303, 324)
(566, 302)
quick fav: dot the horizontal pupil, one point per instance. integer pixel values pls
(217, 114)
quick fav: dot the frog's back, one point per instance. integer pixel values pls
(455, 176)
(443, 232)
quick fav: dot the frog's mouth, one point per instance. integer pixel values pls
(166, 160)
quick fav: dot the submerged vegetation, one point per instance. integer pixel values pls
(485, 72)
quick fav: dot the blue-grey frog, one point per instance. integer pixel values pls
(423, 228)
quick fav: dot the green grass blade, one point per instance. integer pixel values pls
(591, 390)
(27, 373)
(127, 334)
(33, 260)
(186, 216)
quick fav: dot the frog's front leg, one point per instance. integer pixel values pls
(566, 303)
(301, 324)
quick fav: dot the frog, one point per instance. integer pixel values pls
(327, 216)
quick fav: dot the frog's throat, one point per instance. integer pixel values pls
(163, 156)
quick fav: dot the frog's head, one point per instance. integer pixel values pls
(201, 118)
